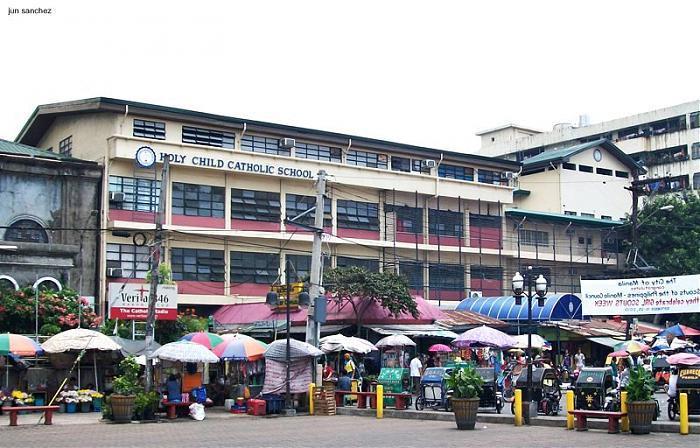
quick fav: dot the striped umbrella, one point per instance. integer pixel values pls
(632, 347)
(209, 340)
(240, 347)
(18, 345)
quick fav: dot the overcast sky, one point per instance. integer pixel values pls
(430, 73)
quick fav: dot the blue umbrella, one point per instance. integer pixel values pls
(679, 330)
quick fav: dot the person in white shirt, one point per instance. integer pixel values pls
(580, 360)
(416, 366)
(672, 383)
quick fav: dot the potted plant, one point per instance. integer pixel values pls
(641, 407)
(145, 405)
(71, 400)
(96, 400)
(85, 399)
(466, 386)
(125, 388)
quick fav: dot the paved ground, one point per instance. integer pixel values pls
(228, 430)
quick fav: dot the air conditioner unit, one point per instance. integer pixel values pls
(114, 273)
(116, 196)
(287, 143)
(429, 163)
(476, 294)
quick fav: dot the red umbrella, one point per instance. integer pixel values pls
(687, 359)
(440, 348)
(619, 354)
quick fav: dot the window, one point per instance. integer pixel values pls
(582, 240)
(358, 215)
(490, 221)
(622, 174)
(695, 120)
(665, 184)
(446, 276)
(149, 129)
(297, 204)
(368, 159)
(627, 133)
(662, 156)
(317, 152)
(413, 271)
(26, 230)
(490, 177)
(65, 146)
(140, 195)
(255, 205)
(696, 181)
(446, 223)
(408, 219)
(588, 215)
(263, 145)
(198, 200)
(209, 137)
(456, 172)
(609, 218)
(301, 266)
(674, 124)
(134, 261)
(604, 171)
(201, 265)
(366, 263)
(485, 272)
(526, 154)
(569, 166)
(400, 164)
(585, 168)
(418, 167)
(695, 150)
(570, 213)
(254, 267)
(534, 237)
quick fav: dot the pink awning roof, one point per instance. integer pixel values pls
(248, 313)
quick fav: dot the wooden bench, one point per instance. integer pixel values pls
(48, 412)
(582, 417)
(401, 402)
(171, 408)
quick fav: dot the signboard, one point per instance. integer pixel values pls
(236, 166)
(129, 301)
(651, 295)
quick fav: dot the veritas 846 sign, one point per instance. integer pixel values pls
(651, 295)
(130, 301)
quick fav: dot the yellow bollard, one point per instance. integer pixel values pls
(518, 407)
(312, 386)
(683, 403)
(380, 401)
(624, 421)
(569, 407)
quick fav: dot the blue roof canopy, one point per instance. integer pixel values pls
(556, 307)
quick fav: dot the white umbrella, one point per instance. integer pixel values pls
(679, 343)
(277, 350)
(396, 340)
(79, 339)
(538, 342)
(185, 351)
(338, 343)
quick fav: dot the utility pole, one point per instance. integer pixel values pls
(313, 328)
(155, 263)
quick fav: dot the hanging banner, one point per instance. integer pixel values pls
(129, 301)
(650, 295)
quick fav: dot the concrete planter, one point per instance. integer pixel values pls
(465, 410)
(122, 407)
(641, 414)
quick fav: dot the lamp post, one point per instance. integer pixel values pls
(541, 291)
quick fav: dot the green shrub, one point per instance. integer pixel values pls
(640, 386)
(128, 382)
(465, 383)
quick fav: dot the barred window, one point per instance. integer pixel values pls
(368, 159)
(301, 266)
(534, 237)
(198, 200)
(202, 265)
(476, 220)
(622, 174)
(149, 129)
(371, 265)
(695, 120)
(317, 152)
(479, 272)
(134, 261)
(400, 164)
(298, 204)
(490, 177)
(408, 219)
(413, 272)
(455, 172)
(446, 276)
(209, 137)
(254, 267)
(140, 195)
(443, 222)
(255, 205)
(26, 230)
(65, 146)
(695, 150)
(263, 145)
(358, 215)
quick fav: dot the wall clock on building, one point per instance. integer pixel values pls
(145, 157)
(597, 155)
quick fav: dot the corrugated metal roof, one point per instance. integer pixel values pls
(556, 307)
(18, 149)
(465, 319)
(546, 216)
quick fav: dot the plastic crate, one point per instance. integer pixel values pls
(256, 407)
(274, 403)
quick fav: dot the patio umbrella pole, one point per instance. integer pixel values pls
(94, 367)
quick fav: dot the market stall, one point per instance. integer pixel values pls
(243, 365)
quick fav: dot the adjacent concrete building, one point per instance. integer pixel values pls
(49, 219)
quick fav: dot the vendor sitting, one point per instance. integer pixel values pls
(173, 389)
(329, 373)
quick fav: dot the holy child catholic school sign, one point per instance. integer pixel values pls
(651, 295)
(129, 301)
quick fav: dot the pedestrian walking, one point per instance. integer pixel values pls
(416, 367)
